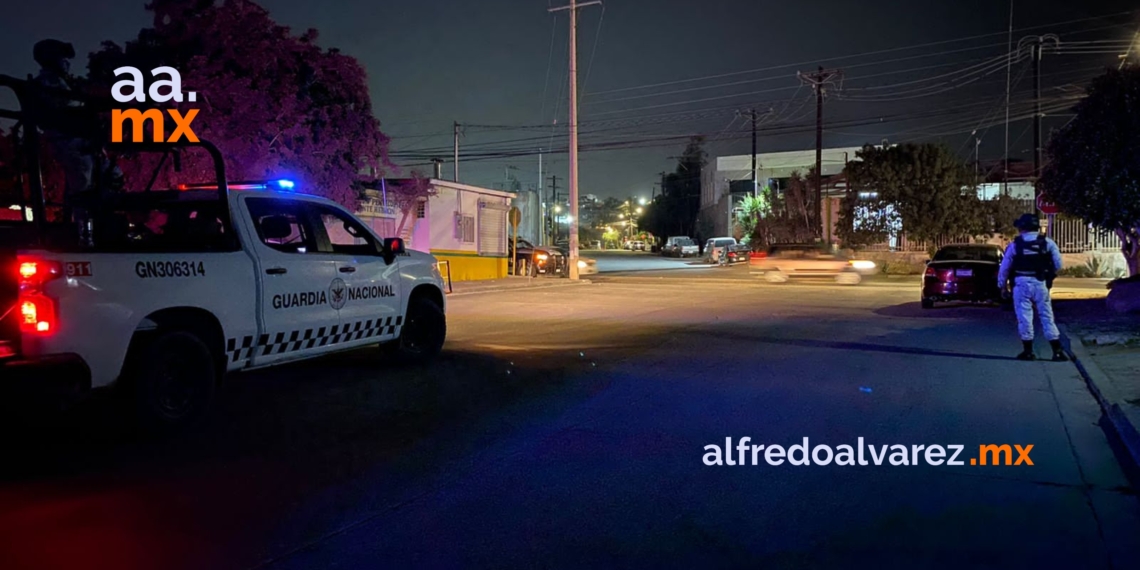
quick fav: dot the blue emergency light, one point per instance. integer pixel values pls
(285, 184)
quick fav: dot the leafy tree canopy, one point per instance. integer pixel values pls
(922, 188)
(1093, 166)
(275, 103)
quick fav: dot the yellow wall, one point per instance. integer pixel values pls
(466, 266)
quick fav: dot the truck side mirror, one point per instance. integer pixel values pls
(392, 248)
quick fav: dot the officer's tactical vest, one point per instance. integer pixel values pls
(1032, 259)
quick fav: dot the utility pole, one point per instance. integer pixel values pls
(1036, 43)
(977, 165)
(542, 203)
(573, 8)
(553, 204)
(817, 81)
(755, 186)
(455, 153)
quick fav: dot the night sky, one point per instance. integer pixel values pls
(489, 64)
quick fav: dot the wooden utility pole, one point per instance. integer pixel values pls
(573, 9)
(755, 186)
(817, 80)
(455, 152)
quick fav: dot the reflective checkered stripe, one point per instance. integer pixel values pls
(243, 349)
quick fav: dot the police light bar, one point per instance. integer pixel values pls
(283, 185)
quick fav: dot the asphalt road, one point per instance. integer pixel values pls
(565, 428)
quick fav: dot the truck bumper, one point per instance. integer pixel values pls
(56, 378)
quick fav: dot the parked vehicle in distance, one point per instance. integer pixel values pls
(635, 245)
(779, 263)
(728, 247)
(962, 272)
(680, 246)
(540, 260)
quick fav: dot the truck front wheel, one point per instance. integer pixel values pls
(173, 381)
(423, 333)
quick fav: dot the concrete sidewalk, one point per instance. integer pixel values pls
(1106, 349)
(510, 284)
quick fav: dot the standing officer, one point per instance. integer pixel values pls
(1032, 261)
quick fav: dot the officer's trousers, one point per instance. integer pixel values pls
(1029, 293)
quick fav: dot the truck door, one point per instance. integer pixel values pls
(298, 319)
(369, 305)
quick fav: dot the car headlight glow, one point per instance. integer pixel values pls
(582, 264)
(863, 264)
(542, 256)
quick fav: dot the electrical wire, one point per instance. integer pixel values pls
(864, 54)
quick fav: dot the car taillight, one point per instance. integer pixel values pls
(34, 272)
(930, 272)
(37, 314)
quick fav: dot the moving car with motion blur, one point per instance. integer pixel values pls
(586, 265)
(962, 272)
(779, 263)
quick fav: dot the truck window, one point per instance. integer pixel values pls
(345, 234)
(281, 225)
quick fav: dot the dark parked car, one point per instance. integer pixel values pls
(963, 272)
(540, 260)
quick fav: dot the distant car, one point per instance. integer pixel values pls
(635, 245)
(680, 246)
(728, 247)
(540, 260)
(963, 272)
(779, 263)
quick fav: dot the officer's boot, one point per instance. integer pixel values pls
(1058, 352)
(1027, 351)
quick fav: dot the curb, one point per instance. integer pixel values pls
(561, 283)
(1105, 394)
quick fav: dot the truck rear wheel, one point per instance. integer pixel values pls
(423, 333)
(173, 381)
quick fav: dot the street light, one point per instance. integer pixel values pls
(621, 216)
(558, 209)
(639, 210)
(641, 201)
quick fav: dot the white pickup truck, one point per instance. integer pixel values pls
(179, 287)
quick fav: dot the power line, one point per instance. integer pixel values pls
(864, 54)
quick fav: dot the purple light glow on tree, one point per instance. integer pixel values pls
(276, 104)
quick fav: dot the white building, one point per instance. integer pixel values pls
(464, 225)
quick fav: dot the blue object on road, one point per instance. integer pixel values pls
(865, 389)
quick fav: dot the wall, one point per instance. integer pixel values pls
(462, 257)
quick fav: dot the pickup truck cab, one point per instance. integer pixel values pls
(179, 287)
(725, 251)
(680, 246)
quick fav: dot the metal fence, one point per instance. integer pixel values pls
(1074, 236)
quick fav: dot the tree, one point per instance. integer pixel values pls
(1093, 166)
(276, 104)
(785, 214)
(675, 212)
(922, 189)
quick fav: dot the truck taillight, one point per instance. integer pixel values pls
(37, 314)
(34, 272)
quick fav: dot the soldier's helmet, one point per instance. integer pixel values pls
(48, 53)
(1027, 223)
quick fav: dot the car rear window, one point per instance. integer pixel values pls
(968, 254)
